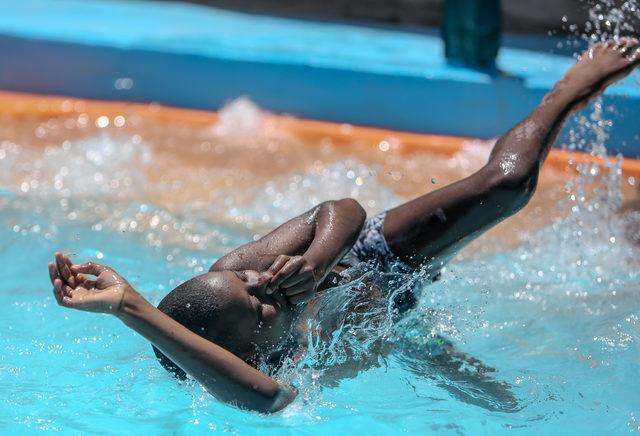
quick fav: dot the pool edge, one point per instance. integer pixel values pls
(25, 104)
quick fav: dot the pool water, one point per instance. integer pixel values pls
(550, 299)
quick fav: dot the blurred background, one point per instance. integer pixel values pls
(518, 15)
(155, 136)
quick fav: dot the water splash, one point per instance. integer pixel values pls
(284, 197)
(240, 118)
(549, 297)
(100, 165)
(611, 19)
(561, 272)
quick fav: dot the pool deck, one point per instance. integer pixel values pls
(198, 57)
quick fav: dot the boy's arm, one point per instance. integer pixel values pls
(223, 374)
(303, 251)
(322, 235)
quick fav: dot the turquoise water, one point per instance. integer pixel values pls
(558, 316)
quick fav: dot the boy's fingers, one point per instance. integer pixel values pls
(53, 272)
(273, 270)
(64, 268)
(57, 290)
(89, 268)
(620, 43)
(630, 43)
(298, 288)
(73, 280)
(67, 291)
(56, 294)
(301, 276)
(68, 302)
(286, 271)
(278, 264)
(67, 260)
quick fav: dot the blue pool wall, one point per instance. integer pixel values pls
(199, 57)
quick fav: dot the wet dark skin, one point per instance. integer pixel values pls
(268, 283)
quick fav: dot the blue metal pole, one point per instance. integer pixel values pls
(471, 31)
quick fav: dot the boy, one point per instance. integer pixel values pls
(257, 303)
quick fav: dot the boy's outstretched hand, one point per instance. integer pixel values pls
(74, 289)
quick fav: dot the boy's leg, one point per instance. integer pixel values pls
(432, 228)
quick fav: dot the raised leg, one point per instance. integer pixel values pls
(432, 228)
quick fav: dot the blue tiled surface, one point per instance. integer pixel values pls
(194, 56)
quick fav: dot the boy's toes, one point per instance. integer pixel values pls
(628, 45)
(619, 43)
(624, 44)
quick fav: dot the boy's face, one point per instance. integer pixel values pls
(247, 318)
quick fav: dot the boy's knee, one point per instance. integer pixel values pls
(516, 184)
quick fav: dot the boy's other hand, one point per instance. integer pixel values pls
(295, 277)
(73, 288)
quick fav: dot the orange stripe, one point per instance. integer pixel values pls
(20, 104)
(28, 105)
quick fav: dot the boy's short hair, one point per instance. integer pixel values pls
(194, 305)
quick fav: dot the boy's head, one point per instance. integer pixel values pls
(229, 308)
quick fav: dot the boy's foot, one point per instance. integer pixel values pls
(600, 66)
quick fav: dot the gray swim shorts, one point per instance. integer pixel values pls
(371, 247)
(371, 250)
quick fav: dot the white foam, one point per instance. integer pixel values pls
(240, 117)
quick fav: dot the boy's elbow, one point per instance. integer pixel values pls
(261, 402)
(353, 209)
(286, 395)
(225, 263)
